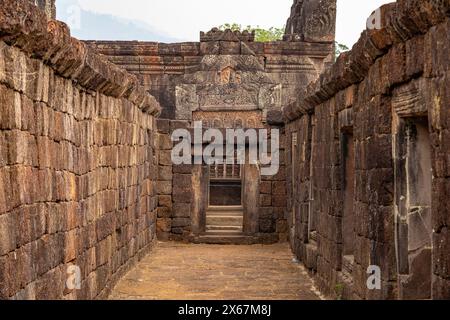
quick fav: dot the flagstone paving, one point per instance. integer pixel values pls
(174, 271)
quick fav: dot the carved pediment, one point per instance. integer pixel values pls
(227, 83)
(227, 35)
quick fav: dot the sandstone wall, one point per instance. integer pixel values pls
(393, 76)
(77, 162)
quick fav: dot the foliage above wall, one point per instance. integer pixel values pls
(261, 35)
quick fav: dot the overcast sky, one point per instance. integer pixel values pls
(182, 20)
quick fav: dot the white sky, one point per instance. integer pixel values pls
(184, 19)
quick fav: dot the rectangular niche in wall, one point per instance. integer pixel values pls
(413, 207)
(312, 217)
(348, 215)
(294, 195)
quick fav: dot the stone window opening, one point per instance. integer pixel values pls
(413, 180)
(225, 184)
(294, 144)
(348, 214)
(312, 223)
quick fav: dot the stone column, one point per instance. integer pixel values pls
(251, 199)
(48, 6)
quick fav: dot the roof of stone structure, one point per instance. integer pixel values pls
(227, 35)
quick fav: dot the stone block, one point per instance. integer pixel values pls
(11, 111)
(50, 286)
(164, 212)
(181, 222)
(183, 169)
(266, 213)
(7, 233)
(178, 124)
(265, 187)
(165, 201)
(266, 226)
(279, 188)
(163, 126)
(165, 158)
(164, 225)
(265, 200)
(182, 195)
(275, 117)
(279, 200)
(181, 210)
(165, 173)
(165, 142)
(282, 226)
(164, 187)
(70, 245)
(182, 181)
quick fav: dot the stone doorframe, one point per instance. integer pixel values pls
(413, 240)
(250, 197)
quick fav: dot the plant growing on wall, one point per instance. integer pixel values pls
(261, 35)
(339, 48)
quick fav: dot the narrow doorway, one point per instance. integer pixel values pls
(225, 213)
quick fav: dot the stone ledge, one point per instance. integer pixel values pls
(24, 26)
(400, 22)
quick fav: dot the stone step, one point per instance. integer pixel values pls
(231, 228)
(224, 233)
(225, 213)
(225, 208)
(216, 220)
(220, 239)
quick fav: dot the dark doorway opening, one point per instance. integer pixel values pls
(225, 193)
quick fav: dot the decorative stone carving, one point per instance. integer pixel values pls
(312, 20)
(186, 101)
(227, 35)
(229, 75)
(227, 83)
(228, 120)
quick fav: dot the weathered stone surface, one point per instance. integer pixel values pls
(312, 20)
(381, 97)
(271, 266)
(86, 175)
(76, 141)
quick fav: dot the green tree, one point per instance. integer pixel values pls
(261, 35)
(339, 48)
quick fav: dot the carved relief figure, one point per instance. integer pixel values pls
(229, 75)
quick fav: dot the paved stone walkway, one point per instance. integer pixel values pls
(207, 272)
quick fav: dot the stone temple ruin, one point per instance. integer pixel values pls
(87, 178)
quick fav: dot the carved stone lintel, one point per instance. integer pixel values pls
(408, 100)
(230, 119)
(227, 83)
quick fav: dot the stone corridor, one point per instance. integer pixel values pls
(209, 272)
